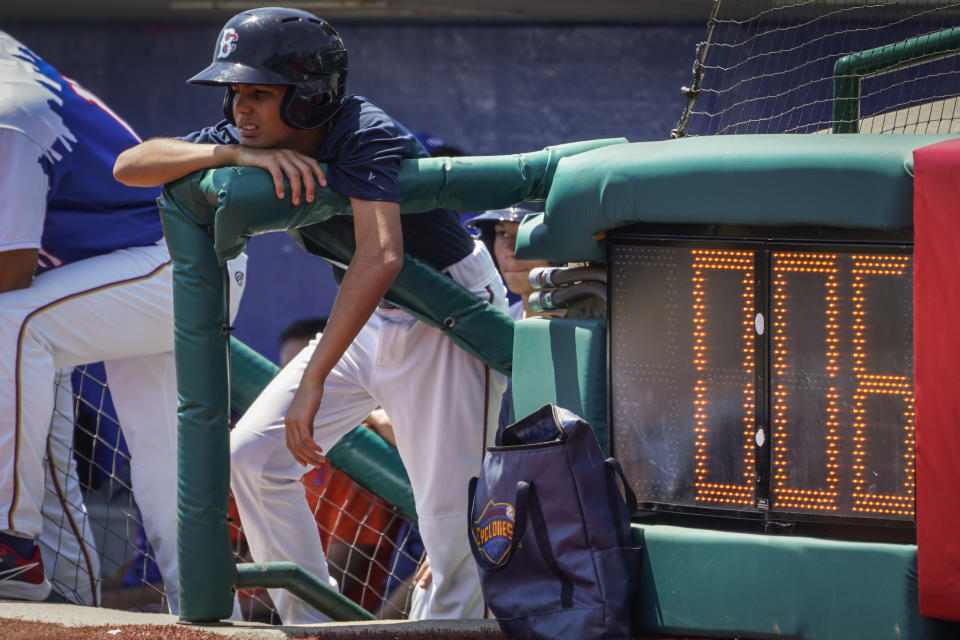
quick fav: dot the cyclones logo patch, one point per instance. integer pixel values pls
(493, 531)
(228, 43)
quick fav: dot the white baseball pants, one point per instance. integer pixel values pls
(117, 308)
(443, 404)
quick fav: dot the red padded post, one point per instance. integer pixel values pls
(936, 292)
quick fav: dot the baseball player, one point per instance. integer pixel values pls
(287, 110)
(104, 292)
(498, 231)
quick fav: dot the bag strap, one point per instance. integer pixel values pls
(542, 536)
(628, 493)
(519, 524)
(613, 499)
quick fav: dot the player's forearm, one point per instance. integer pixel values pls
(362, 288)
(376, 262)
(162, 160)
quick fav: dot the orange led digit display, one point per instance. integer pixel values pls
(788, 392)
(869, 273)
(705, 263)
(765, 379)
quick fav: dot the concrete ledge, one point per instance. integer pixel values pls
(70, 615)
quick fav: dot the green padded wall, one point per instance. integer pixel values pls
(698, 581)
(863, 181)
(563, 361)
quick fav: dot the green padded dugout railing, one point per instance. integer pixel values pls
(208, 218)
(472, 183)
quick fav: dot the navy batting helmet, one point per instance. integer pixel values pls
(282, 47)
(486, 221)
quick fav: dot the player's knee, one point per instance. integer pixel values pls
(24, 333)
(14, 323)
(248, 455)
(242, 454)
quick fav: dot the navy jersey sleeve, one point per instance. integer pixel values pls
(363, 152)
(221, 133)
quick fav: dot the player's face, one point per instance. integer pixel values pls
(256, 110)
(515, 272)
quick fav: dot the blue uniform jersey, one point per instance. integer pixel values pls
(76, 139)
(362, 152)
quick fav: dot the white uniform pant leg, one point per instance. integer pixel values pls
(144, 392)
(92, 310)
(265, 478)
(67, 543)
(444, 404)
(442, 436)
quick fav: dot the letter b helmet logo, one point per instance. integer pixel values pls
(228, 43)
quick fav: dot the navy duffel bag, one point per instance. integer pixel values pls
(550, 531)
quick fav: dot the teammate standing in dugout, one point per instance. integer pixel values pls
(85, 276)
(287, 111)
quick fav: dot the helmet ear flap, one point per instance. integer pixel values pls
(302, 108)
(291, 112)
(228, 106)
(487, 236)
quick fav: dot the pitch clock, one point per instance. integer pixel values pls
(763, 378)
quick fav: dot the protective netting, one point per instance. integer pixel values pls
(771, 66)
(373, 551)
(95, 547)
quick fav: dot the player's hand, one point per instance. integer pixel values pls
(299, 424)
(301, 170)
(380, 422)
(424, 575)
